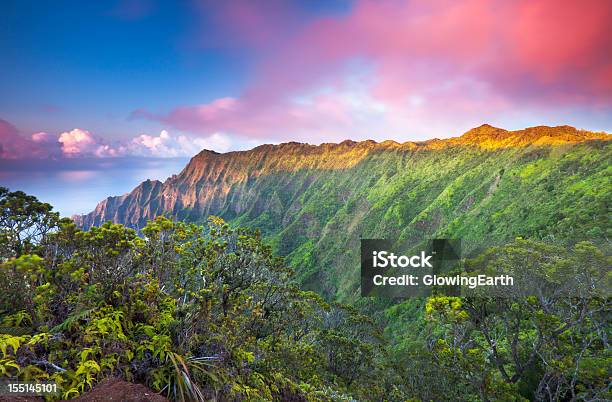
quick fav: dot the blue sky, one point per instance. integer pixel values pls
(86, 64)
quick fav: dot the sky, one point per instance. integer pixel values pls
(154, 82)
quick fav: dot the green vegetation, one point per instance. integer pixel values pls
(209, 313)
(551, 345)
(195, 313)
(486, 197)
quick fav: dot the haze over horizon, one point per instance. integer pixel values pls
(158, 81)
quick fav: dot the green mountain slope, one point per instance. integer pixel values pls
(314, 203)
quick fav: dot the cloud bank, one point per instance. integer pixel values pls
(80, 143)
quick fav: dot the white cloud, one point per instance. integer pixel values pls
(44, 138)
(166, 145)
(81, 143)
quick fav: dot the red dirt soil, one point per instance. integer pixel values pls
(115, 389)
(111, 389)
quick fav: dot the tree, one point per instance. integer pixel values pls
(194, 312)
(545, 338)
(24, 221)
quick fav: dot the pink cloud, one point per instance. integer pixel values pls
(566, 42)
(416, 62)
(14, 146)
(80, 143)
(219, 109)
(44, 138)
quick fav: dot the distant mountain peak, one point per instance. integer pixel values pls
(487, 136)
(484, 129)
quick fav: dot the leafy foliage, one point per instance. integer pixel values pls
(211, 313)
(196, 313)
(550, 345)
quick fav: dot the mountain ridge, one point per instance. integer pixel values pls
(478, 136)
(206, 180)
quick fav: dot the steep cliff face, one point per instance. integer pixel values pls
(137, 206)
(315, 202)
(203, 187)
